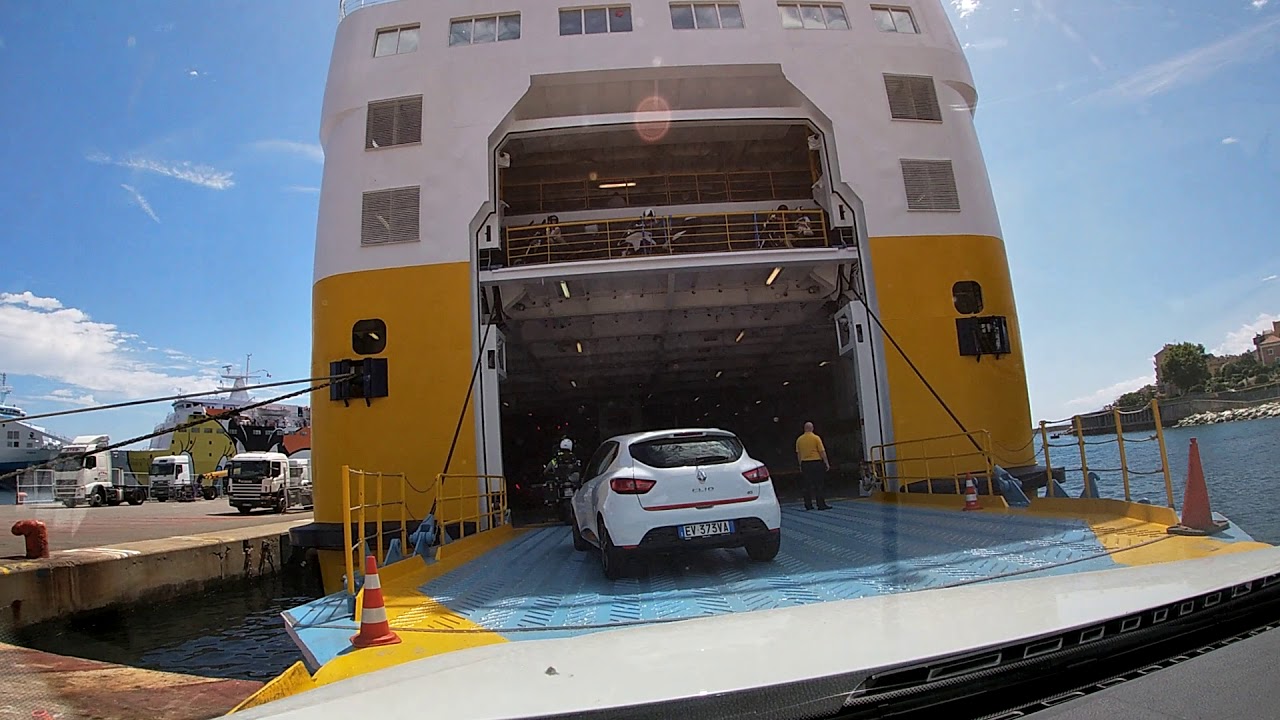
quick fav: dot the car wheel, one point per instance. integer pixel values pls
(764, 549)
(98, 498)
(613, 560)
(579, 543)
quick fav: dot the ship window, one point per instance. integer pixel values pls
(894, 19)
(705, 16)
(966, 295)
(393, 122)
(595, 20)
(930, 185)
(813, 16)
(389, 216)
(396, 41)
(912, 97)
(12, 434)
(369, 337)
(485, 29)
(980, 336)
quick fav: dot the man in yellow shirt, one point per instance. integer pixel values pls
(812, 456)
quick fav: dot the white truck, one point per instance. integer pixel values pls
(268, 480)
(174, 477)
(85, 471)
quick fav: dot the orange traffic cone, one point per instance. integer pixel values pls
(1197, 517)
(374, 628)
(970, 494)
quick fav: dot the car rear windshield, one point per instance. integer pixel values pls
(683, 452)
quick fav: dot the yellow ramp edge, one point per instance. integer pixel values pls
(288, 683)
(940, 501)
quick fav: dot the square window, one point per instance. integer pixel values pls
(487, 29)
(790, 17)
(508, 27)
(620, 19)
(836, 19)
(706, 16)
(682, 17)
(894, 19)
(460, 32)
(595, 21)
(571, 22)
(813, 16)
(396, 41)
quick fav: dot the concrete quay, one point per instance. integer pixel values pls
(70, 688)
(108, 556)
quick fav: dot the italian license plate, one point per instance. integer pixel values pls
(708, 529)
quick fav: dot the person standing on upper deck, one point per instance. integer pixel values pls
(812, 456)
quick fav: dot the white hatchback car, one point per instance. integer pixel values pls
(673, 490)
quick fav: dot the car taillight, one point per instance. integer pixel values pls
(757, 475)
(631, 486)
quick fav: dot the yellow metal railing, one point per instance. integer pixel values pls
(956, 457)
(1116, 416)
(657, 190)
(637, 236)
(359, 512)
(477, 499)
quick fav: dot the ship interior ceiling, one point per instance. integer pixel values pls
(677, 164)
(740, 348)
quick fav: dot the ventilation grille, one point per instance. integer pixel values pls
(912, 97)
(389, 216)
(393, 122)
(931, 185)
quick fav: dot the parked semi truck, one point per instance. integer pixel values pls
(268, 480)
(85, 471)
(175, 476)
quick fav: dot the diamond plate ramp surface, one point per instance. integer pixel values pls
(537, 586)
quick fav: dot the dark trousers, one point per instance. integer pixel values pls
(815, 480)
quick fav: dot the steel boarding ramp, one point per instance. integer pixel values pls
(537, 586)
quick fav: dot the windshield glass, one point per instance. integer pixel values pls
(164, 469)
(249, 469)
(682, 452)
(68, 464)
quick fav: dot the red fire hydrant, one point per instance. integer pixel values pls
(36, 535)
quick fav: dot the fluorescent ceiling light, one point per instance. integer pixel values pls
(741, 333)
(718, 374)
(564, 288)
(773, 276)
(824, 363)
(573, 383)
(613, 185)
(579, 346)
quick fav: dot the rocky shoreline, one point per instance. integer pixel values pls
(1269, 409)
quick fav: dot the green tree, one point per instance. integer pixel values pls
(1185, 365)
(1137, 399)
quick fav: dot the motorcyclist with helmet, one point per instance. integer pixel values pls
(562, 477)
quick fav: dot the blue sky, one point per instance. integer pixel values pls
(161, 172)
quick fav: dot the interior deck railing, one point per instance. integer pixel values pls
(475, 502)
(554, 196)
(631, 237)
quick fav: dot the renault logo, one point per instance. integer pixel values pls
(702, 477)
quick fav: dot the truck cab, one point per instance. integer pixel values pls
(86, 471)
(173, 476)
(268, 480)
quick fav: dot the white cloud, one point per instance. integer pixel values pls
(141, 202)
(1249, 45)
(1238, 341)
(1230, 140)
(132, 41)
(310, 151)
(308, 189)
(201, 175)
(68, 397)
(965, 8)
(1104, 396)
(1270, 277)
(31, 300)
(41, 337)
(1259, 4)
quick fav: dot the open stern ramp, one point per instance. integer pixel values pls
(531, 584)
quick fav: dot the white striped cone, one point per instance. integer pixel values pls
(374, 628)
(971, 495)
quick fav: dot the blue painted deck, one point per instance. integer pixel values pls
(538, 586)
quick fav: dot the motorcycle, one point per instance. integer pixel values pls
(559, 494)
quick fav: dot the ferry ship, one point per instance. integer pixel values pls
(22, 444)
(588, 220)
(276, 427)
